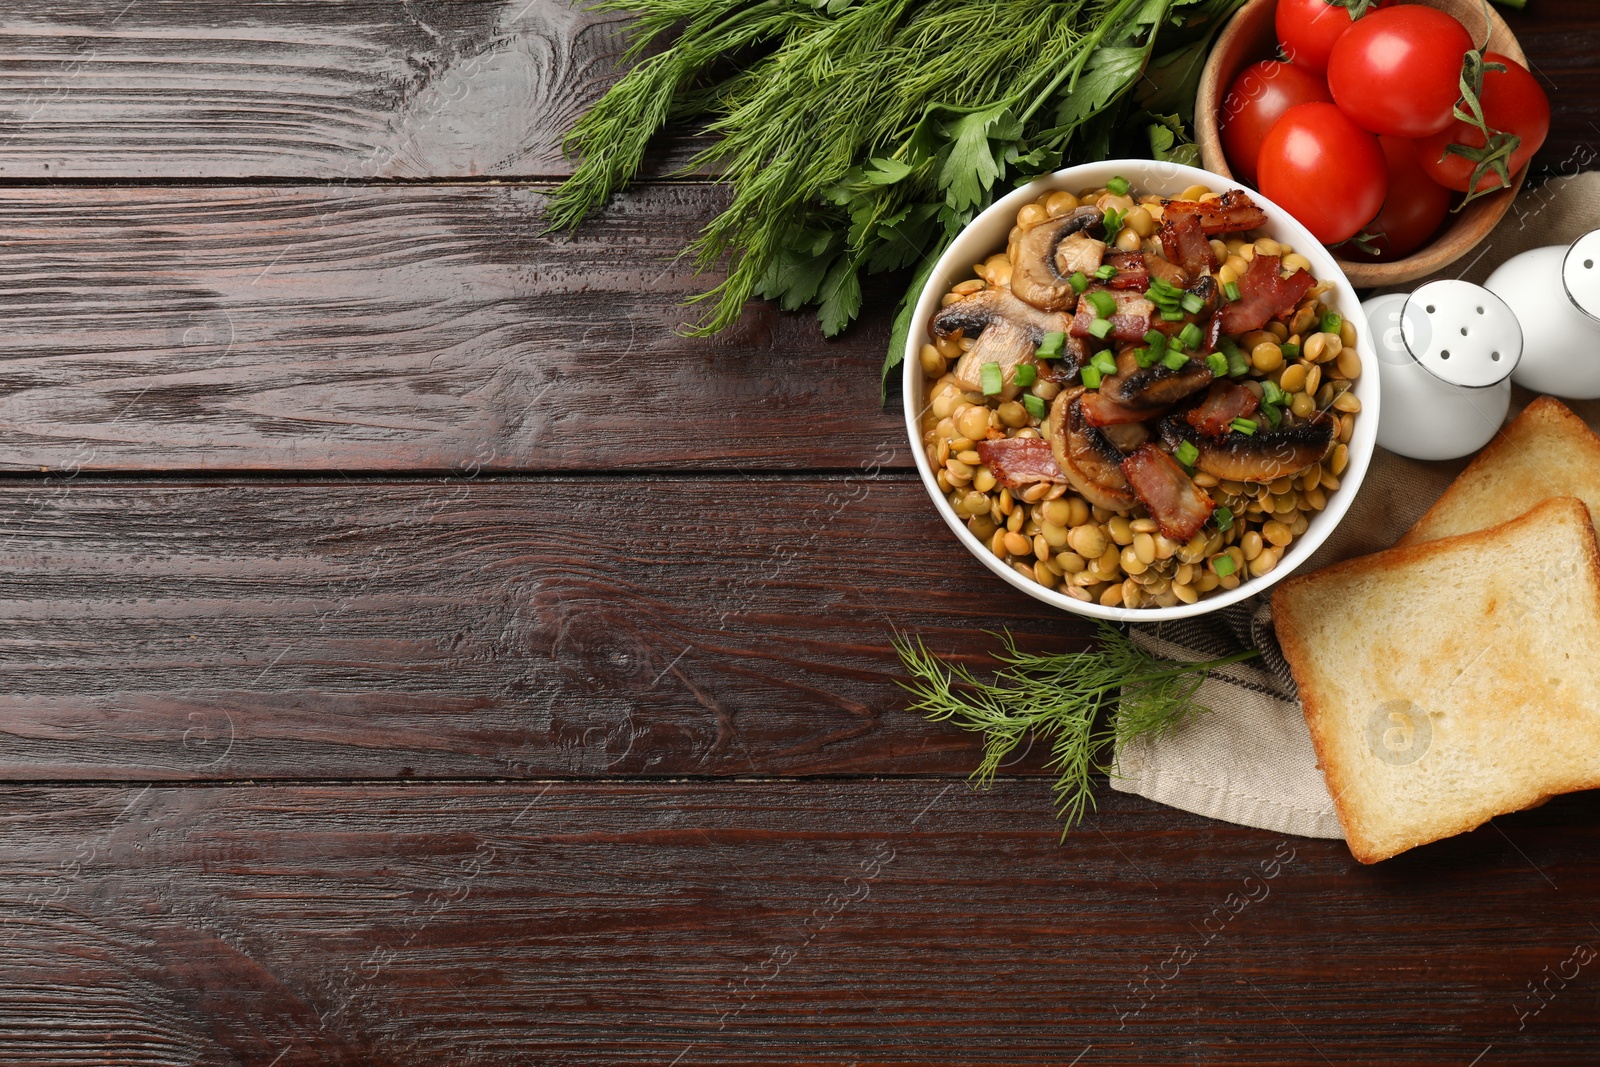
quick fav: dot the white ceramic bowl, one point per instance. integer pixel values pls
(987, 234)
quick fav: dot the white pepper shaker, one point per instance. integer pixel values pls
(1555, 292)
(1446, 353)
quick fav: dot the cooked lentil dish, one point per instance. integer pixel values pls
(1142, 400)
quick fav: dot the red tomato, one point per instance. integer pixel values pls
(1324, 170)
(1514, 102)
(1412, 212)
(1398, 71)
(1307, 30)
(1260, 95)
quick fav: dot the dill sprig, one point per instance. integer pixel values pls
(861, 135)
(1059, 697)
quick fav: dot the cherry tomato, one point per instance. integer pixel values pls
(1514, 102)
(1412, 212)
(1324, 170)
(1307, 30)
(1260, 95)
(1398, 71)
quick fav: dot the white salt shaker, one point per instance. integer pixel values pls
(1555, 291)
(1446, 353)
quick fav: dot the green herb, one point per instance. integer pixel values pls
(1271, 392)
(1231, 291)
(1118, 186)
(1112, 221)
(1148, 357)
(1035, 405)
(1191, 336)
(1238, 364)
(1100, 328)
(991, 378)
(1218, 364)
(1171, 316)
(1244, 426)
(859, 136)
(1091, 376)
(1224, 517)
(1175, 361)
(1193, 303)
(1106, 272)
(1186, 453)
(1025, 374)
(1223, 565)
(1103, 303)
(1273, 413)
(1156, 339)
(1079, 281)
(1050, 346)
(1104, 362)
(1331, 321)
(1059, 698)
(1290, 351)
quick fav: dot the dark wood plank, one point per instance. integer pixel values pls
(349, 90)
(895, 922)
(445, 628)
(362, 89)
(403, 328)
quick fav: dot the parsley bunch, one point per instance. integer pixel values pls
(860, 136)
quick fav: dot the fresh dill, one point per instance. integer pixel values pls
(1059, 698)
(860, 136)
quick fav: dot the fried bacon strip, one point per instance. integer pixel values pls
(1263, 293)
(1175, 502)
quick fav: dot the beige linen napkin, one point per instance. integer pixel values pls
(1250, 761)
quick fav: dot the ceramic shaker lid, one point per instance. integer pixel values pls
(1580, 273)
(1462, 333)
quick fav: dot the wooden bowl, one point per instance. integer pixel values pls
(1250, 36)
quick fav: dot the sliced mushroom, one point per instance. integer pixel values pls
(1091, 462)
(1156, 386)
(1264, 456)
(1007, 332)
(1036, 273)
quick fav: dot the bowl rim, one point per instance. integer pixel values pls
(1146, 176)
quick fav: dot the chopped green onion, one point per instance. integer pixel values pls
(1271, 392)
(1224, 517)
(1238, 364)
(1218, 364)
(1156, 340)
(1230, 290)
(1104, 303)
(1244, 426)
(1050, 347)
(992, 378)
(1273, 413)
(1223, 565)
(1106, 272)
(1079, 281)
(1172, 316)
(1147, 357)
(1331, 321)
(1100, 328)
(1035, 405)
(1104, 362)
(1117, 186)
(1091, 377)
(1175, 361)
(1193, 303)
(1191, 336)
(1186, 454)
(1025, 374)
(1290, 351)
(1112, 221)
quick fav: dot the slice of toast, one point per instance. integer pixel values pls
(1449, 682)
(1546, 451)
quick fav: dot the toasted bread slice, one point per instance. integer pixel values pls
(1546, 451)
(1449, 682)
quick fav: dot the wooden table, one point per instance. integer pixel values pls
(414, 652)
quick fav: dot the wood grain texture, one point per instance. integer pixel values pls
(347, 90)
(893, 922)
(361, 89)
(405, 329)
(459, 628)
